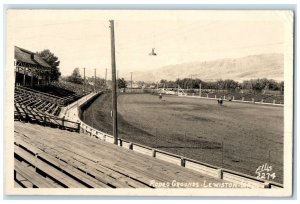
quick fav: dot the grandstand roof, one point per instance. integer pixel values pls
(29, 57)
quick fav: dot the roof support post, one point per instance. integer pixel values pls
(49, 76)
(38, 77)
(24, 77)
(31, 79)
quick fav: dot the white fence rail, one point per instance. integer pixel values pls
(238, 101)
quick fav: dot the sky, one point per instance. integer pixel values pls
(82, 38)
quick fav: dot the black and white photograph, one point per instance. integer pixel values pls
(149, 102)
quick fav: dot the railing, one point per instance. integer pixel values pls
(242, 180)
(233, 100)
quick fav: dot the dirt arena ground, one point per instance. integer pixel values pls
(237, 136)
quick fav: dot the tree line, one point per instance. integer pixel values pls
(188, 83)
(228, 84)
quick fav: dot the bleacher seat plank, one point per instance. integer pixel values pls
(29, 174)
(21, 179)
(58, 175)
(84, 151)
(140, 171)
(66, 167)
(92, 167)
(145, 164)
(76, 160)
(17, 185)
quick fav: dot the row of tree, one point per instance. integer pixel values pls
(228, 84)
(187, 83)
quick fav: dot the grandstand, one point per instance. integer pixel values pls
(78, 89)
(30, 69)
(36, 98)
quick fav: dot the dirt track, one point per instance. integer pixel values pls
(196, 128)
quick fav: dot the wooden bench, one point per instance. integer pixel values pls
(55, 174)
(29, 173)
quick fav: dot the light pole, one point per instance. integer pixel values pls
(114, 94)
(131, 81)
(95, 81)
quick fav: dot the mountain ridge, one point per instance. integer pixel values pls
(269, 65)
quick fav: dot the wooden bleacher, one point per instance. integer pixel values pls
(79, 89)
(42, 104)
(52, 158)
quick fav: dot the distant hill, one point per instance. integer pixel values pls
(239, 69)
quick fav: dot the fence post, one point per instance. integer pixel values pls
(63, 123)
(182, 162)
(267, 185)
(131, 146)
(26, 117)
(220, 173)
(78, 127)
(44, 120)
(153, 153)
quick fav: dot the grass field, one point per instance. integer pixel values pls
(237, 136)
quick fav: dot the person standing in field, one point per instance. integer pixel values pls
(160, 96)
(220, 101)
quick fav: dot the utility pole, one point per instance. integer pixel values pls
(95, 81)
(200, 89)
(84, 80)
(131, 81)
(105, 76)
(178, 84)
(114, 94)
(117, 80)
